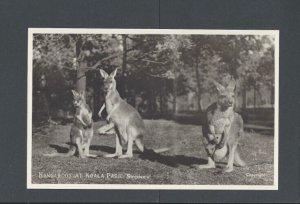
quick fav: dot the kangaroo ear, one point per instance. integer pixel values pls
(113, 74)
(103, 73)
(231, 85)
(219, 87)
(74, 93)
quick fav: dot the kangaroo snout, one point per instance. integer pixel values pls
(106, 88)
(229, 102)
(226, 102)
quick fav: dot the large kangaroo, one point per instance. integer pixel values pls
(123, 118)
(222, 128)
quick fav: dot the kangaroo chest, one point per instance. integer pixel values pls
(84, 116)
(221, 119)
(108, 105)
(111, 100)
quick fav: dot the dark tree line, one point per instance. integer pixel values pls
(154, 68)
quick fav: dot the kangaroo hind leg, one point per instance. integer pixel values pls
(79, 147)
(237, 160)
(87, 149)
(139, 143)
(210, 164)
(229, 166)
(118, 151)
(130, 133)
(71, 151)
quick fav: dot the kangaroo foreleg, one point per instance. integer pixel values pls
(101, 109)
(107, 129)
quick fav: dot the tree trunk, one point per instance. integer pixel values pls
(124, 65)
(80, 75)
(96, 96)
(272, 95)
(198, 87)
(163, 97)
(244, 97)
(254, 96)
(174, 93)
(151, 98)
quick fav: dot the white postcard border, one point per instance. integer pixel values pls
(32, 31)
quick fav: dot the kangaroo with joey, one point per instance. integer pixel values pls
(222, 129)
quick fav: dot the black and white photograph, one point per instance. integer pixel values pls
(152, 109)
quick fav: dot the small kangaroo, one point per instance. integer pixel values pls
(82, 129)
(126, 122)
(222, 128)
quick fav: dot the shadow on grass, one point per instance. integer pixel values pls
(59, 149)
(62, 149)
(102, 148)
(172, 161)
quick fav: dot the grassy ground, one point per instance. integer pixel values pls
(173, 167)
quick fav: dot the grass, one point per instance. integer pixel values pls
(173, 167)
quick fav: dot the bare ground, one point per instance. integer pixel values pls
(173, 167)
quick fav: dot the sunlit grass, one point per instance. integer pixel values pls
(173, 167)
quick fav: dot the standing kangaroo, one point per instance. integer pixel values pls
(222, 128)
(82, 129)
(123, 118)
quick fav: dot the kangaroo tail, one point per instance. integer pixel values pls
(155, 151)
(161, 150)
(71, 152)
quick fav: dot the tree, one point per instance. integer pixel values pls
(202, 63)
(79, 54)
(163, 65)
(219, 56)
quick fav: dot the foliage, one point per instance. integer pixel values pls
(165, 65)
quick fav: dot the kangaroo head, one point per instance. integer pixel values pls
(210, 149)
(109, 82)
(226, 95)
(79, 98)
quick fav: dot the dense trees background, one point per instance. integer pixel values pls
(154, 70)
